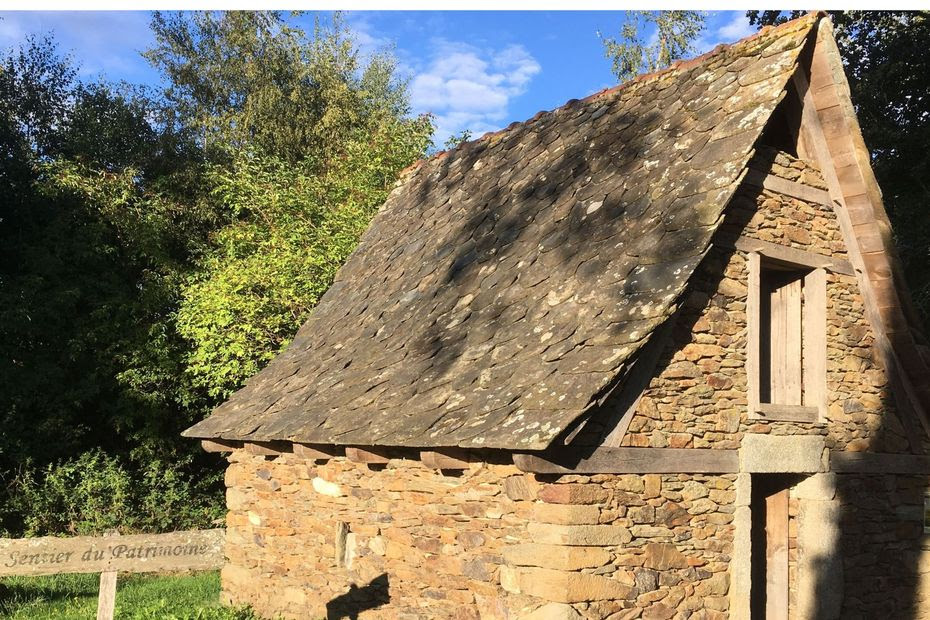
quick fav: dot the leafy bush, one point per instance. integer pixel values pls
(95, 493)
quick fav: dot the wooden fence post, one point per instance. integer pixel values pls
(106, 599)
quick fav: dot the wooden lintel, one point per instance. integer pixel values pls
(219, 445)
(631, 461)
(878, 463)
(267, 448)
(788, 413)
(791, 255)
(446, 458)
(317, 452)
(794, 189)
(370, 456)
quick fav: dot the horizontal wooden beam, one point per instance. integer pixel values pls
(776, 184)
(878, 463)
(630, 461)
(268, 448)
(317, 452)
(788, 413)
(446, 458)
(219, 445)
(370, 456)
(787, 254)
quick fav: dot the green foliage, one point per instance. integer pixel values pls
(291, 231)
(138, 597)
(454, 141)
(161, 247)
(251, 80)
(95, 493)
(651, 40)
(884, 55)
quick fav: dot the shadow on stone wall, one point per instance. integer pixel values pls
(880, 538)
(359, 599)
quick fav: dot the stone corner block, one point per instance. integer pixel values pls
(579, 535)
(819, 487)
(566, 587)
(565, 514)
(556, 556)
(789, 454)
(552, 611)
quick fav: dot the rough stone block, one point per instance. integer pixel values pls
(820, 487)
(555, 556)
(520, 488)
(324, 487)
(573, 494)
(581, 535)
(553, 611)
(568, 587)
(664, 556)
(781, 454)
(565, 514)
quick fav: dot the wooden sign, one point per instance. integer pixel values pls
(138, 553)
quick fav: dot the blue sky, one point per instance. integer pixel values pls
(473, 70)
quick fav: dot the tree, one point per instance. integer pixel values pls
(158, 248)
(94, 240)
(634, 53)
(884, 55)
(251, 79)
(299, 173)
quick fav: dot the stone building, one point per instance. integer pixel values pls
(647, 355)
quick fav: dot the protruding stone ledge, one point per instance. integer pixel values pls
(556, 556)
(563, 587)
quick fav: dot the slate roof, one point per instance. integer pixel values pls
(508, 284)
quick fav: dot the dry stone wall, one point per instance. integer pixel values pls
(306, 540)
(698, 398)
(884, 552)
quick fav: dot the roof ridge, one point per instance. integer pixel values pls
(642, 78)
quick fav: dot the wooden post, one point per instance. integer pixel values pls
(776, 555)
(106, 599)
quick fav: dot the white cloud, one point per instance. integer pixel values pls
(106, 42)
(470, 88)
(736, 28)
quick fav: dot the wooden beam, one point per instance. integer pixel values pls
(759, 178)
(787, 254)
(267, 448)
(776, 556)
(630, 461)
(754, 333)
(910, 397)
(787, 413)
(219, 445)
(446, 458)
(637, 381)
(369, 456)
(878, 463)
(317, 452)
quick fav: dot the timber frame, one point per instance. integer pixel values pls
(829, 135)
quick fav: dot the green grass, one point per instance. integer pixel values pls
(138, 597)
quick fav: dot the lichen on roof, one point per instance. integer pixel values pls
(505, 285)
